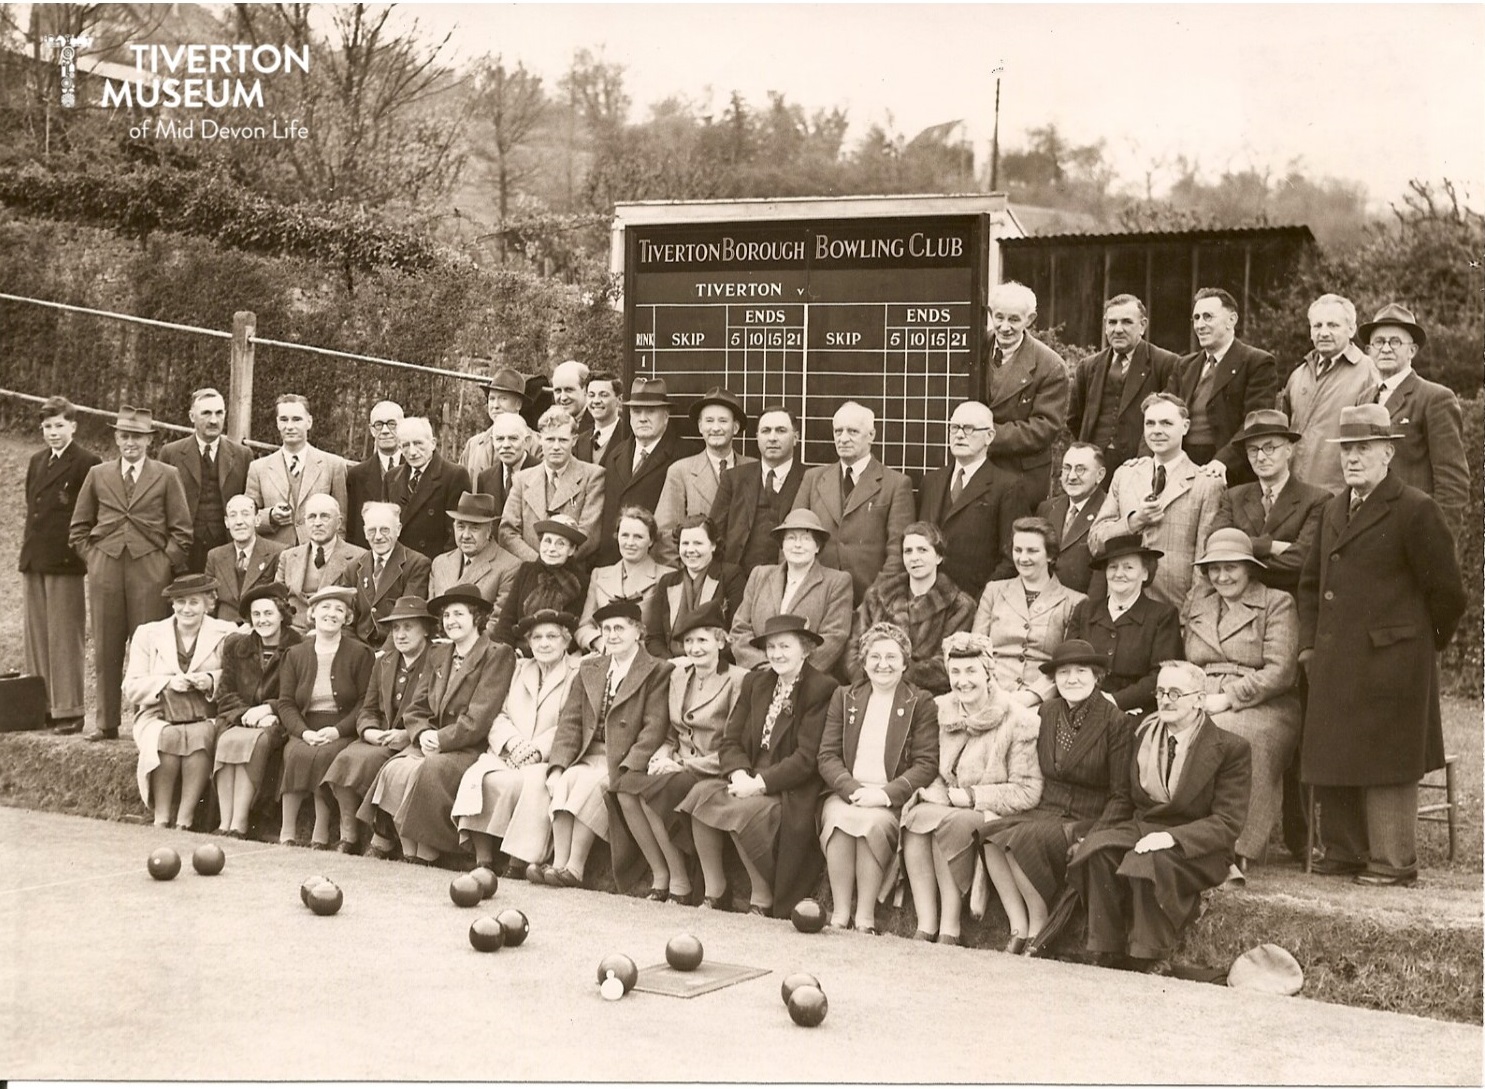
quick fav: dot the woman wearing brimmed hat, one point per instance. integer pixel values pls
(249, 732)
(1133, 631)
(703, 689)
(1245, 637)
(1082, 749)
(502, 799)
(551, 581)
(765, 801)
(174, 667)
(323, 682)
(633, 578)
(987, 769)
(462, 689)
(381, 727)
(798, 585)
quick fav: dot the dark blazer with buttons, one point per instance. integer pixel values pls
(735, 510)
(1028, 395)
(406, 573)
(977, 529)
(426, 527)
(623, 487)
(582, 445)
(638, 718)
(1150, 371)
(1074, 566)
(1146, 634)
(1247, 379)
(911, 752)
(460, 707)
(1295, 518)
(1430, 455)
(364, 484)
(350, 673)
(51, 495)
(221, 564)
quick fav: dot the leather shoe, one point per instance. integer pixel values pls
(378, 852)
(516, 870)
(317, 846)
(658, 896)
(95, 734)
(924, 936)
(66, 726)
(289, 843)
(1016, 945)
(689, 899)
(345, 847)
(758, 909)
(716, 903)
(868, 930)
(1336, 867)
(1384, 880)
(950, 939)
(1158, 967)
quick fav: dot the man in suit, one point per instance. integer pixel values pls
(425, 487)
(753, 499)
(282, 482)
(319, 561)
(213, 468)
(1430, 453)
(511, 443)
(1380, 595)
(973, 503)
(635, 474)
(1073, 513)
(247, 560)
(1336, 374)
(561, 484)
(505, 392)
(388, 571)
(607, 431)
(370, 481)
(132, 526)
(570, 392)
(1027, 384)
(863, 505)
(1107, 388)
(1165, 499)
(476, 557)
(52, 602)
(1221, 383)
(1141, 878)
(691, 483)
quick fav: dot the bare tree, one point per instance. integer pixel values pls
(512, 102)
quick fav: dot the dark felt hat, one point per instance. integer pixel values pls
(274, 590)
(785, 625)
(648, 393)
(410, 607)
(1073, 652)
(1393, 314)
(1131, 544)
(1266, 421)
(190, 584)
(619, 608)
(507, 380)
(563, 526)
(706, 615)
(465, 593)
(719, 396)
(475, 507)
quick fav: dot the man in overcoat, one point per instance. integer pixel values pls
(691, 483)
(425, 487)
(1380, 595)
(213, 468)
(1027, 390)
(635, 473)
(370, 481)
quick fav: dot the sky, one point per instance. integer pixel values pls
(1376, 93)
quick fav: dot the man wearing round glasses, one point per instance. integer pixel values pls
(366, 482)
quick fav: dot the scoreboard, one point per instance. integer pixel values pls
(810, 311)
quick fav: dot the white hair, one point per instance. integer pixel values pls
(1331, 299)
(859, 409)
(420, 424)
(1012, 295)
(1189, 672)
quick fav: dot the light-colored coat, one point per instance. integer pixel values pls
(1024, 635)
(492, 569)
(578, 494)
(1314, 408)
(865, 532)
(690, 488)
(610, 582)
(992, 755)
(696, 732)
(320, 473)
(824, 599)
(294, 566)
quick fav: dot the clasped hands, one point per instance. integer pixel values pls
(389, 739)
(320, 737)
(260, 717)
(743, 784)
(870, 797)
(184, 682)
(520, 753)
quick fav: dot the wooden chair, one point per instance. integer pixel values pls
(1444, 812)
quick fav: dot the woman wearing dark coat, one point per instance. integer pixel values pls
(552, 581)
(1131, 630)
(701, 578)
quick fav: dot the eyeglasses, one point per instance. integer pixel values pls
(1394, 343)
(383, 425)
(1075, 470)
(966, 429)
(1172, 694)
(1268, 449)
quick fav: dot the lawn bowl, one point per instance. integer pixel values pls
(208, 859)
(487, 879)
(683, 952)
(515, 924)
(618, 968)
(163, 863)
(307, 886)
(486, 934)
(325, 898)
(795, 981)
(808, 1006)
(808, 917)
(465, 890)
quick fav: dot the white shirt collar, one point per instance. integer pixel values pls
(1218, 355)
(203, 447)
(125, 465)
(1006, 353)
(782, 470)
(602, 434)
(389, 461)
(1276, 488)
(58, 453)
(857, 467)
(973, 467)
(1391, 384)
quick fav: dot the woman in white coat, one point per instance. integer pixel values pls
(174, 667)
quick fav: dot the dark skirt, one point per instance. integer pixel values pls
(1038, 841)
(427, 811)
(752, 822)
(356, 768)
(305, 765)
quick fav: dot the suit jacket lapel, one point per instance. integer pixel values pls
(51, 470)
(458, 680)
(1238, 614)
(1094, 727)
(1134, 380)
(1014, 373)
(867, 488)
(389, 685)
(977, 486)
(1227, 368)
(898, 721)
(1284, 503)
(1400, 404)
(1198, 767)
(639, 669)
(566, 486)
(1178, 482)
(1098, 373)
(1372, 511)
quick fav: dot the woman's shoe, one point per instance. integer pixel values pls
(516, 870)
(759, 909)
(1016, 946)
(536, 873)
(658, 896)
(289, 843)
(569, 880)
(317, 846)
(378, 852)
(868, 930)
(346, 847)
(686, 899)
(950, 939)
(716, 903)
(924, 936)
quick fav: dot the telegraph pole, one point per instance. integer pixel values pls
(995, 136)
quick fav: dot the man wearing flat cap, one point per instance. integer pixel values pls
(1379, 596)
(1426, 416)
(635, 475)
(132, 526)
(691, 483)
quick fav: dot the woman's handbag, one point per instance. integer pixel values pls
(178, 707)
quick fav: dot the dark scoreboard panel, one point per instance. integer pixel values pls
(812, 313)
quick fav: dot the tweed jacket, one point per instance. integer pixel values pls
(1250, 653)
(992, 755)
(789, 762)
(578, 494)
(823, 598)
(154, 661)
(51, 494)
(1151, 370)
(294, 565)
(1024, 636)
(1090, 782)
(1246, 380)
(320, 473)
(865, 531)
(492, 569)
(696, 730)
(1314, 407)
(1134, 645)
(911, 751)
(1295, 518)
(245, 683)
(941, 611)
(479, 454)
(460, 705)
(233, 459)
(491, 481)
(1189, 505)
(638, 719)
(977, 529)
(1074, 559)
(426, 526)
(722, 582)
(606, 583)
(406, 573)
(623, 487)
(155, 519)
(350, 673)
(1028, 394)
(690, 488)
(364, 483)
(1430, 455)
(378, 711)
(221, 564)
(735, 510)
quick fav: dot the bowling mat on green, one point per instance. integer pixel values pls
(710, 976)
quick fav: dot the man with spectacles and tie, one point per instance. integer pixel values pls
(691, 483)
(1221, 383)
(282, 482)
(245, 561)
(1380, 595)
(1026, 384)
(426, 487)
(1336, 374)
(213, 469)
(973, 502)
(1073, 513)
(388, 571)
(1141, 878)
(1107, 388)
(319, 561)
(754, 499)
(560, 484)
(370, 481)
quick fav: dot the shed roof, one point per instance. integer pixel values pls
(1297, 232)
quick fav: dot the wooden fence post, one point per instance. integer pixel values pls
(240, 392)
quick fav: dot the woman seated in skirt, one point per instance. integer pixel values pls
(464, 685)
(767, 756)
(174, 666)
(551, 581)
(702, 577)
(503, 798)
(986, 769)
(633, 578)
(703, 689)
(880, 745)
(249, 732)
(613, 721)
(320, 692)
(381, 727)
(1082, 749)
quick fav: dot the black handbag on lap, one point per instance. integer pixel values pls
(178, 707)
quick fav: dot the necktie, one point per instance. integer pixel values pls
(463, 563)
(129, 482)
(241, 561)
(721, 468)
(846, 484)
(956, 486)
(1356, 501)
(211, 458)
(1170, 759)
(771, 482)
(640, 454)
(1268, 500)
(414, 479)
(1121, 365)
(1381, 397)
(505, 481)
(294, 465)
(1159, 481)
(1324, 368)
(319, 556)
(1208, 364)
(378, 565)
(1069, 521)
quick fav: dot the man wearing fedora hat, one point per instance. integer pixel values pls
(320, 561)
(1426, 416)
(1379, 596)
(1336, 374)
(505, 392)
(559, 484)
(636, 474)
(476, 557)
(691, 483)
(425, 486)
(132, 526)
(387, 572)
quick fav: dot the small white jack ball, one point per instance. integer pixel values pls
(612, 988)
